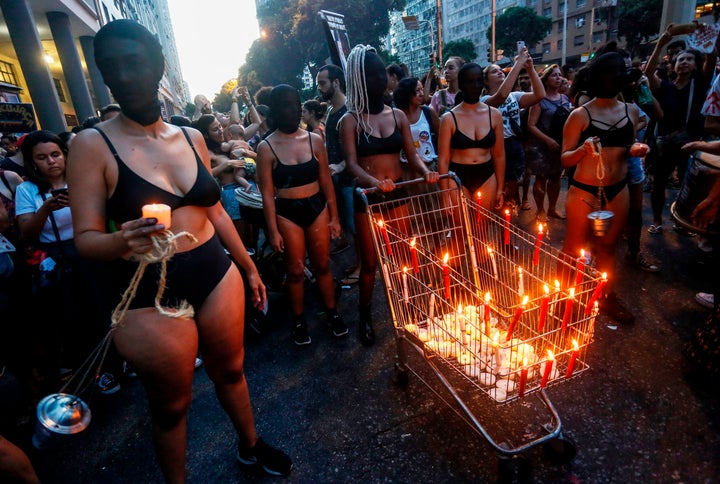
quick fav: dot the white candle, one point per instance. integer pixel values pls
(494, 264)
(406, 296)
(521, 284)
(160, 211)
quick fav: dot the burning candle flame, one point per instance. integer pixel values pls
(412, 242)
(524, 361)
(404, 270)
(546, 289)
(540, 228)
(487, 297)
(604, 276)
(571, 295)
(551, 356)
(445, 259)
(380, 223)
(557, 285)
(490, 251)
(507, 212)
(525, 301)
(575, 345)
(582, 253)
(496, 337)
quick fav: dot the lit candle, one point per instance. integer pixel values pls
(496, 350)
(568, 308)
(548, 368)
(556, 294)
(595, 311)
(523, 379)
(159, 211)
(518, 313)
(446, 276)
(460, 319)
(597, 293)
(544, 302)
(406, 295)
(521, 284)
(538, 242)
(486, 313)
(413, 257)
(431, 309)
(384, 233)
(507, 227)
(491, 253)
(580, 267)
(573, 357)
(478, 198)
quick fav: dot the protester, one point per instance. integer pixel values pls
(372, 136)
(444, 99)
(424, 122)
(312, 115)
(136, 159)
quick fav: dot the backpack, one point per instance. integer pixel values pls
(557, 123)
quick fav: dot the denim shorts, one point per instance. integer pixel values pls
(636, 172)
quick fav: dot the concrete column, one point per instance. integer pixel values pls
(30, 54)
(102, 95)
(676, 12)
(72, 67)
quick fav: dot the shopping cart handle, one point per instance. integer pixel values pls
(414, 181)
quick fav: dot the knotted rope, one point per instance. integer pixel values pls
(164, 247)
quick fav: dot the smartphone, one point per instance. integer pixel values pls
(59, 191)
(520, 46)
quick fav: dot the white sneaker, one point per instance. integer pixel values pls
(705, 299)
(198, 362)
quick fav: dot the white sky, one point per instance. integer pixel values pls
(212, 38)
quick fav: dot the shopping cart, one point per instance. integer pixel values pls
(496, 312)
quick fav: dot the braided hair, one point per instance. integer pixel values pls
(357, 96)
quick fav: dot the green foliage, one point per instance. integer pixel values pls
(223, 99)
(638, 21)
(462, 48)
(519, 23)
(189, 109)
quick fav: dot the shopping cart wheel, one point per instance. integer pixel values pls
(560, 450)
(513, 468)
(400, 375)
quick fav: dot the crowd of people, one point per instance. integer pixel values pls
(71, 222)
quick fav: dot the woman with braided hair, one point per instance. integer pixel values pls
(136, 159)
(373, 135)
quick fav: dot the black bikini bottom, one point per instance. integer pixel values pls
(473, 176)
(301, 211)
(611, 191)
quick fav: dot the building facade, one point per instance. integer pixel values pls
(414, 47)
(47, 57)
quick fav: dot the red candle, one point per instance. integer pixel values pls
(568, 308)
(544, 303)
(518, 313)
(413, 256)
(597, 293)
(479, 202)
(384, 233)
(573, 357)
(486, 313)
(523, 379)
(446, 276)
(507, 227)
(538, 242)
(580, 267)
(548, 368)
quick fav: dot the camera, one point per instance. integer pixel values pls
(59, 191)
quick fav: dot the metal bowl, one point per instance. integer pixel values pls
(600, 221)
(59, 415)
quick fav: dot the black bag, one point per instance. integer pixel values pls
(557, 123)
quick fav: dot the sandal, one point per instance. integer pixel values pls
(541, 217)
(655, 229)
(350, 280)
(555, 214)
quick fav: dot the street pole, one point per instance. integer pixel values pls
(438, 8)
(564, 49)
(492, 41)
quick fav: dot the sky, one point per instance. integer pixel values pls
(212, 39)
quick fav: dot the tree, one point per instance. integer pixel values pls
(223, 99)
(462, 48)
(638, 21)
(519, 23)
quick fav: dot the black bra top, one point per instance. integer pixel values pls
(369, 145)
(459, 141)
(133, 191)
(621, 137)
(289, 176)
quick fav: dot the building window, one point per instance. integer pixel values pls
(7, 73)
(561, 8)
(546, 48)
(580, 22)
(580, 3)
(559, 44)
(547, 12)
(598, 37)
(560, 27)
(579, 40)
(59, 89)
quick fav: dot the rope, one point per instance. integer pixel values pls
(164, 247)
(599, 173)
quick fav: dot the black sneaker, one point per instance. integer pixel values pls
(337, 325)
(107, 384)
(273, 461)
(614, 309)
(301, 337)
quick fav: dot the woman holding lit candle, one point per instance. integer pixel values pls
(470, 141)
(373, 135)
(135, 159)
(299, 205)
(611, 122)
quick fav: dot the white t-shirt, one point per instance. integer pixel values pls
(28, 200)
(712, 101)
(509, 109)
(422, 139)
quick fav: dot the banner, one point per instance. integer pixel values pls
(17, 118)
(337, 38)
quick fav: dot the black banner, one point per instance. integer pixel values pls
(17, 118)
(337, 38)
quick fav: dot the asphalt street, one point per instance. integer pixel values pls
(635, 416)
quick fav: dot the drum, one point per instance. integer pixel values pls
(702, 173)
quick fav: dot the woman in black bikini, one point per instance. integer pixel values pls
(299, 205)
(606, 120)
(471, 141)
(372, 136)
(135, 159)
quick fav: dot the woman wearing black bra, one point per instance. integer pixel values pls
(135, 159)
(299, 205)
(612, 123)
(372, 136)
(471, 141)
